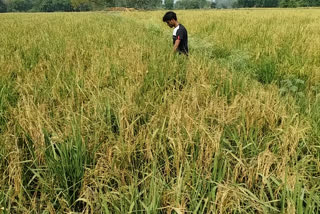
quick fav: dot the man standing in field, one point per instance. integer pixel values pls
(180, 34)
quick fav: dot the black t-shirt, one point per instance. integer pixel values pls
(181, 33)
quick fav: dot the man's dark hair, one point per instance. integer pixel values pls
(169, 16)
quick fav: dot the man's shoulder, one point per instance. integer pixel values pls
(181, 27)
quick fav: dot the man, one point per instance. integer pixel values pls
(180, 34)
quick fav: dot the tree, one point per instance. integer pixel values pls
(168, 4)
(188, 4)
(288, 3)
(276, 3)
(19, 5)
(110, 3)
(246, 3)
(271, 3)
(80, 5)
(226, 3)
(145, 4)
(204, 4)
(3, 7)
(55, 5)
(213, 4)
(266, 3)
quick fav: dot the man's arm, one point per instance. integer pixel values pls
(176, 45)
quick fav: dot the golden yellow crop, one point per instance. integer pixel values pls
(97, 115)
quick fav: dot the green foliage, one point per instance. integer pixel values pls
(293, 87)
(266, 70)
(299, 3)
(267, 3)
(110, 3)
(67, 162)
(139, 4)
(304, 199)
(238, 61)
(156, 82)
(192, 4)
(276, 3)
(55, 5)
(230, 87)
(30, 162)
(5, 204)
(145, 4)
(111, 119)
(81, 5)
(288, 3)
(315, 122)
(169, 4)
(246, 3)
(18, 5)
(4, 174)
(3, 6)
(8, 98)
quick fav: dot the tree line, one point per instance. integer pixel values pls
(87, 5)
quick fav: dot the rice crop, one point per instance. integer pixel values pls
(98, 115)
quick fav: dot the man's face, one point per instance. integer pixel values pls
(170, 23)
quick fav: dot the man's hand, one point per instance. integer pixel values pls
(176, 45)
